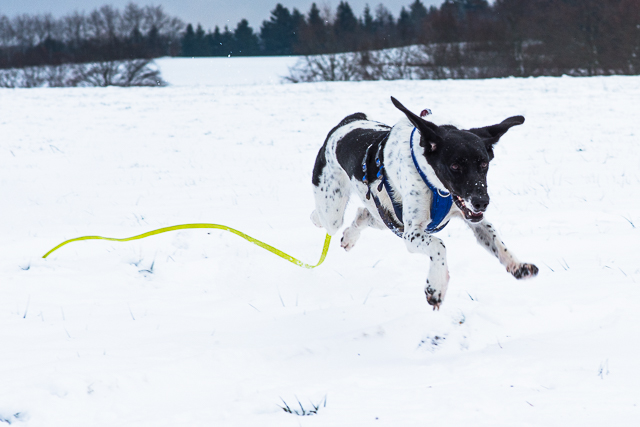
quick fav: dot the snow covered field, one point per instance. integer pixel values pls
(200, 328)
(218, 71)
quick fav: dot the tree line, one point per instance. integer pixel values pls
(512, 37)
(320, 31)
(104, 34)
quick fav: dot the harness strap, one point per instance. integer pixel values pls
(397, 207)
(440, 204)
(441, 201)
(387, 217)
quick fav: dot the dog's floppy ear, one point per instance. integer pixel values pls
(491, 134)
(428, 136)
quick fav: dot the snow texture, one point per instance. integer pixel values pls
(226, 71)
(200, 328)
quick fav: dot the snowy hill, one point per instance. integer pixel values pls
(200, 328)
(225, 71)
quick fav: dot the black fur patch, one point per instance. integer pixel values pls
(321, 159)
(351, 150)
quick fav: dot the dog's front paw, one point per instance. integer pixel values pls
(523, 271)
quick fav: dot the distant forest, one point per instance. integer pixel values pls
(105, 34)
(528, 37)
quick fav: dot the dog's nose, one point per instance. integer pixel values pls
(480, 203)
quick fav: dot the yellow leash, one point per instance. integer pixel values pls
(270, 248)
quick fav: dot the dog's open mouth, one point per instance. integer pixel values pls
(469, 215)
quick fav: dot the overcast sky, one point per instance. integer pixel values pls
(209, 13)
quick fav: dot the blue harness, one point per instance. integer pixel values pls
(440, 205)
(441, 202)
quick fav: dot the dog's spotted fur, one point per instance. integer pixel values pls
(338, 172)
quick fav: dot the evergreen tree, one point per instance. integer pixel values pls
(475, 5)
(246, 41)
(345, 27)
(199, 43)
(214, 42)
(153, 42)
(279, 33)
(418, 11)
(447, 23)
(405, 27)
(297, 20)
(298, 25)
(367, 21)
(188, 42)
(314, 18)
(411, 22)
(385, 28)
(419, 15)
(221, 43)
(136, 37)
(346, 22)
(227, 42)
(313, 37)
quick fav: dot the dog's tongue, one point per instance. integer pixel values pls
(425, 112)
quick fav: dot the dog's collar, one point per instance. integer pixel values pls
(441, 202)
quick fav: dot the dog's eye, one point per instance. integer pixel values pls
(484, 165)
(455, 167)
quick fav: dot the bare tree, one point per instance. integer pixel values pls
(103, 23)
(139, 72)
(132, 19)
(6, 31)
(154, 17)
(95, 74)
(96, 27)
(329, 67)
(24, 30)
(75, 28)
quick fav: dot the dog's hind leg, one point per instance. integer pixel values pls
(487, 237)
(331, 196)
(315, 219)
(363, 220)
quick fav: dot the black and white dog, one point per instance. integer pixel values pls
(413, 178)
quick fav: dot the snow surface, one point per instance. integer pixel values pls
(201, 328)
(221, 71)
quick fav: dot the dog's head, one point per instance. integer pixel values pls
(460, 158)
